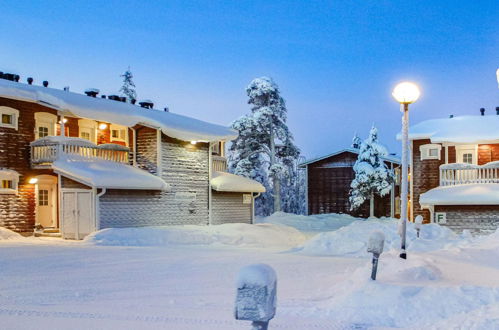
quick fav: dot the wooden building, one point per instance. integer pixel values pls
(71, 164)
(328, 186)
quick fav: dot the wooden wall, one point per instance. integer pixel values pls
(229, 208)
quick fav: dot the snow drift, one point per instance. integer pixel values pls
(6, 234)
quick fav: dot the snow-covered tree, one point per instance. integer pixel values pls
(356, 141)
(128, 87)
(264, 149)
(372, 177)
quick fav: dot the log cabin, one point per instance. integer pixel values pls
(328, 186)
(71, 164)
(454, 179)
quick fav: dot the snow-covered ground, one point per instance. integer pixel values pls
(185, 277)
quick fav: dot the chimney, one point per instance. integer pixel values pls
(451, 116)
(8, 76)
(146, 104)
(123, 99)
(133, 101)
(166, 109)
(482, 111)
(497, 111)
(66, 88)
(30, 80)
(16, 78)
(45, 83)
(103, 96)
(114, 97)
(92, 92)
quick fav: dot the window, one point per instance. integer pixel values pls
(9, 117)
(467, 154)
(88, 129)
(8, 181)
(468, 158)
(119, 133)
(430, 151)
(43, 197)
(85, 135)
(45, 124)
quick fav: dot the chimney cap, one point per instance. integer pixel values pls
(30, 80)
(146, 104)
(45, 83)
(92, 90)
(482, 111)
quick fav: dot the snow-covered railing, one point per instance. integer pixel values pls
(460, 173)
(48, 149)
(219, 164)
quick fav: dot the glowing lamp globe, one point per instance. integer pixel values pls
(406, 93)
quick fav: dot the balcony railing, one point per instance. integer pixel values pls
(46, 150)
(219, 163)
(459, 173)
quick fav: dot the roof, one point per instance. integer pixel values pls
(461, 129)
(126, 114)
(465, 194)
(100, 173)
(390, 159)
(223, 181)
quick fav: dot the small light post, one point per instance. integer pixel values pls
(375, 246)
(405, 93)
(418, 222)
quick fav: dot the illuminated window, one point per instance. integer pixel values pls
(8, 181)
(9, 117)
(430, 151)
(119, 133)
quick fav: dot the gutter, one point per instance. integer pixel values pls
(97, 207)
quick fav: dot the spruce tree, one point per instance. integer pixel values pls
(128, 87)
(372, 177)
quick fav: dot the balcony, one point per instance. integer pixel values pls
(219, 163)
(46, 150)
(459, 173)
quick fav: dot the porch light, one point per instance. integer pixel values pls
(194, 142)
(102, 126)
(33, 180)
(64, 120)
(406, 92)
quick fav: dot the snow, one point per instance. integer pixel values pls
(121, 113)
(376, 242)
(465, 194)
(447, 282)
(100, 173)
(6, 234)
(223, 181)
(8, 173)
(256, 275)
(389, 158)
(58, 139)
(459, 129)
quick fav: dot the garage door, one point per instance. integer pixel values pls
(77, 213)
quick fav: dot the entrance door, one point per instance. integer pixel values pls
(77, 213)
(45, 205)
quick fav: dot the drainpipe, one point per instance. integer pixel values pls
(158, 153)
(134, 145)
(210, 174)
(97, 207)
(253, 207)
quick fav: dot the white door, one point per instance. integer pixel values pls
(77, 213)
(46, 204)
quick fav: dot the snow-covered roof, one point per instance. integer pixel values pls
(223, 181)
(57, 139)
(391, 159)
(461, 129)
(465, 194)
(99, 173)
(126, 114)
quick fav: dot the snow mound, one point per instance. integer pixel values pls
(352, 240)
(241, 235)
(311, 223)
(256, 275)
(6, 234)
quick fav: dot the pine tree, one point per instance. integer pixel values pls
(128, 88)
(372, 177)
(264, 149)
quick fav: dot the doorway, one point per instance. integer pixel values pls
(46, 201)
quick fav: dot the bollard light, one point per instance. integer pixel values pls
(256, 295)
(418, 222)
(375, 246)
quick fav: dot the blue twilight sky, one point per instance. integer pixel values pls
(336, 62)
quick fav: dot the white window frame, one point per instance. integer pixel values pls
(114, 127)
(87, 124)
(11, 175)
(10, 112)
(45, 119)
(425, 151)
(466, 148)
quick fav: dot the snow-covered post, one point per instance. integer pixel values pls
(405, 93)
(256, 295)
(375, 246)
(417, 223)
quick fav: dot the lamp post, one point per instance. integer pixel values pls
(405, 93)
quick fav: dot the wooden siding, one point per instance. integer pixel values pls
(71, 184)
(329, 187)
(488, 153)
(476, 218)
(229, 208)
(147, 149)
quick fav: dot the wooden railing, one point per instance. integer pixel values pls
(219, 164)
(454, 174)
(47, 150)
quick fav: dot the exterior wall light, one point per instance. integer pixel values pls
(194, 142)
(33, 180)
(102, 126)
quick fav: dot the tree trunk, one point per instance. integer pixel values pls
(371, 206)
(275, 178)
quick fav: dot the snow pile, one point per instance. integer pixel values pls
(311, 223)
(6, 234)
(241, 235)
(465, 194)
(223, 181)
(256, 275)
(352, 240)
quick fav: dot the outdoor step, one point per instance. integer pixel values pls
(51, 230)
(45, 234)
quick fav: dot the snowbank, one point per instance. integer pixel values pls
(223, 181)
(352, 240)
(311, 223)
(241, 235)
(6, 234)
(466, 194)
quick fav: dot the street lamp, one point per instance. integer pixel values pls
(405, 93)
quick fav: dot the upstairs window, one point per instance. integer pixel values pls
(45, 124)
(119, 133)
(430, 151)
(9, 117)
(9, 180)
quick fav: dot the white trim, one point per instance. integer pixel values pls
(10, 112)
(425, 151)
(9, 175)
(88, 124)
(460, 148)
(45, 119)
(119, 128)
